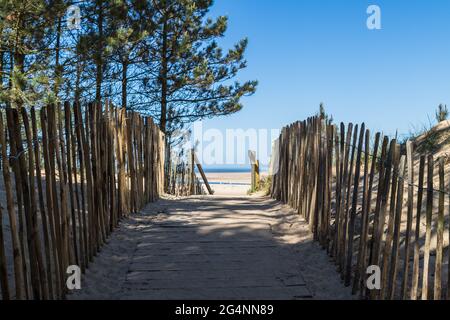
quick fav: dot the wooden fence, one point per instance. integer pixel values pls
(366, 206)
(181, 177)
(70, 174)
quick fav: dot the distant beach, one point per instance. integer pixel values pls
(230, 180)
(231, 169)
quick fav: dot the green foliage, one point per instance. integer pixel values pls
(264, 186)
(194, 76)
(441, 113)
(26, 35)
(323, 115)
(158, 57)
(430, 143)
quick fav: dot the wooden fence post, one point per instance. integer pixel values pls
(315, 157)
(429, 213)
(352, 215)
(17, 249)
(410, 217)
(192, 172)
(43, 273)
(386, 251)
(4, 285)
(81, 203)
(202, 173)
(439, 235)
(393, 267)
(415, 271)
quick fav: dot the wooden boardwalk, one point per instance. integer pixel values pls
(200, 248)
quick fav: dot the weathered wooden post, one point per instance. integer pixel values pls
(202, 173)
(192, 179)
(256, 174)
(255, 170)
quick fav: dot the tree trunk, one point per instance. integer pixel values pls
(11, 68)
(58, 70)
(77, 82)
(163, 79)
(124, 82)
(2, 54)
(99, 54)
(19, 60)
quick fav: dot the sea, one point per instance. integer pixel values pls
(230, 169)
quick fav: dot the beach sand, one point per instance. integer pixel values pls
(230, 183)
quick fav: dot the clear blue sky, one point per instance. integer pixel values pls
(304, 52)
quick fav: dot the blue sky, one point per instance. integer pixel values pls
(304, 52)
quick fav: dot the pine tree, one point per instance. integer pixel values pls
(126, 45)
(27, 33)
(159, 57)
(93, 59)
(189, 76)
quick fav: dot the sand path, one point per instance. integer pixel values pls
(212, 248)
